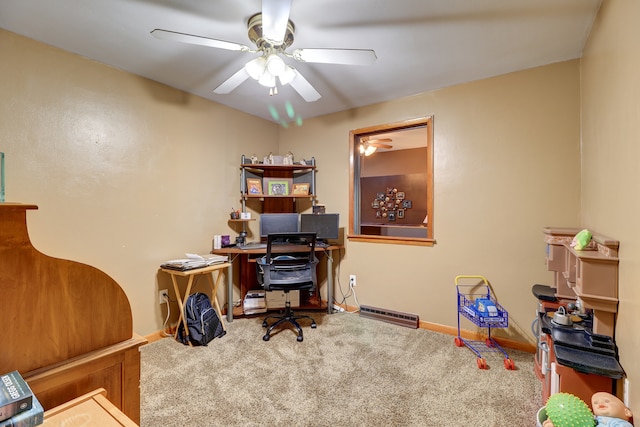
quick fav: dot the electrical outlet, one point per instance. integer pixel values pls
(163, 296)
(352, 280)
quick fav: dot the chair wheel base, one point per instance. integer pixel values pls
(288, 317)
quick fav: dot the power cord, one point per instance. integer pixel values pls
(351, 292)
(166, 320)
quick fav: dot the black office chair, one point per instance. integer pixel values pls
(290, 264)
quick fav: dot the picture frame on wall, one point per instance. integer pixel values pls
(254, 186)
(300, 189)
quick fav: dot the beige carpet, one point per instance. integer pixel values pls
(350, 371)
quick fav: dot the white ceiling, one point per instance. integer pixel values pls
(421, 45)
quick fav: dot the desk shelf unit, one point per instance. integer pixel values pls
(297, 173)
(265, 203)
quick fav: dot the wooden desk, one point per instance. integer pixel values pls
(90, 410)
(191, 274)
(234, 252)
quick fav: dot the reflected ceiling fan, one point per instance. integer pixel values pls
(369, 145)
(272, 33)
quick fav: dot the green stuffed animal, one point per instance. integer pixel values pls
(581, 240)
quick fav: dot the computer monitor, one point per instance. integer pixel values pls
(324, 225)
(278, 223)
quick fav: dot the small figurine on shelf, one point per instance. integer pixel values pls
(234, 214)
(271, 159)
(610, 411)
(303, 162)
(254, 159)
(288, 159)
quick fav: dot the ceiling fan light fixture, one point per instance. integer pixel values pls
(267, 79)
(275, 65)
(272, 32)
(287, 75)
(256, 67)
(367, 149)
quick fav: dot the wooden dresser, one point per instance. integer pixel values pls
(68, 326)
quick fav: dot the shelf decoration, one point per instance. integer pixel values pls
(300, 189)
(254, 186)
(277, 187)
(391, 204)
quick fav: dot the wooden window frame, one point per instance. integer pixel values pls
(354, 174)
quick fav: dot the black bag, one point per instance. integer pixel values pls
(202, 321)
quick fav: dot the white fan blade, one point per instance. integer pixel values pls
(336, 56)
(232, 82)
(380, 145)
(275, 16)
(304, 88)
(202, 41)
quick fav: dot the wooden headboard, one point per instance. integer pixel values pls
(68, 326)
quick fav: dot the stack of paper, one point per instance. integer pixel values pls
(194, 261)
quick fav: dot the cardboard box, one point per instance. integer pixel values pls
(276, 299)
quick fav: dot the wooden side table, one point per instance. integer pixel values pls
(91, 410)
(220, 270)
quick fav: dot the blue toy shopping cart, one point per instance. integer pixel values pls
(476, 303)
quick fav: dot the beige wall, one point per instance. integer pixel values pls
(610, 153)
(126, 172)
(506, 165)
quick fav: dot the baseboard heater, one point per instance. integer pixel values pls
(397, 318)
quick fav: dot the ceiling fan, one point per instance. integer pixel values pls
(272, 33)
(368, 145)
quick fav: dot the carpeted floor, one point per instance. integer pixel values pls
(350, 371)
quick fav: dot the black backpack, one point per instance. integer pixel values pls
(202, 321)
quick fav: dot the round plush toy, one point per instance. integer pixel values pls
(581, 240)
(567, 410)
